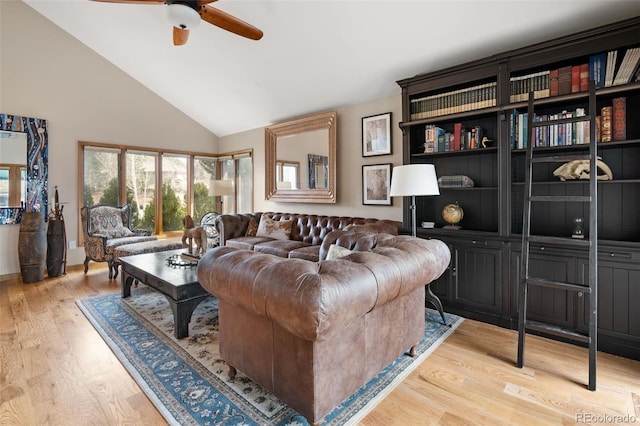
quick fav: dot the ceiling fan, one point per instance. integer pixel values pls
(186, 14)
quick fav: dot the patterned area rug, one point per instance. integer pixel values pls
(187, 380)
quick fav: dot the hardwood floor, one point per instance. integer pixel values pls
(56, 370)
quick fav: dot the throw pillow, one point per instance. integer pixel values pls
(252, 229)
(118, 232)
(336, 251)
(279, 230)
(109, 223)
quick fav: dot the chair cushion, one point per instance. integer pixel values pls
(276, 229)
(280, 248)
(246, 243)
(310, 253)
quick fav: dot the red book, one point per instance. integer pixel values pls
(553, 82)
(575, 78)
(619, 119)
(564, 80)
(457, 134)
(584, 77)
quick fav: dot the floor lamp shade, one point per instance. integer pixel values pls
(414, 179)
(411, 180)
(221, 188)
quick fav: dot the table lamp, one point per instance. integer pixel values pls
(412, 180)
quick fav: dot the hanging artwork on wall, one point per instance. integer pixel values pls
(376, 184)
(376, 135)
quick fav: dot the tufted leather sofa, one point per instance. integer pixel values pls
(307, 234)
(312, 333)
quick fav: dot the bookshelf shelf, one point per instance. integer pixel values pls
(456, 153)
(492, 223)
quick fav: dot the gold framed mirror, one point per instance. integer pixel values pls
(310, 142)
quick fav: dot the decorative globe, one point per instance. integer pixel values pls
(452, 214)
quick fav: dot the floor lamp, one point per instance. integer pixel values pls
(412, 180)
(221, 188)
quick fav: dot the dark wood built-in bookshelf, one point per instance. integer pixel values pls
(490, 97)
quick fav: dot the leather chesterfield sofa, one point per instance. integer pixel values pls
(307, 236)
(312, 333)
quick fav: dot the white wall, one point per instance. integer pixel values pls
(350, 161)
(46, 73)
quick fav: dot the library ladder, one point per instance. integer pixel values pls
(526, 281)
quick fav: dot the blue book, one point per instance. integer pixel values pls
(597, 68)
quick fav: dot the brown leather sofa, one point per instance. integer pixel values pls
(312, 333)
(307, 234)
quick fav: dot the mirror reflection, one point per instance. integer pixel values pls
(301, 159)
(32, 193)
(13, 168)
(304, 159)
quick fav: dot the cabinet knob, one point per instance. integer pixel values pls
(580, 294)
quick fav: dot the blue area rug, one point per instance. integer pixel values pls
(187, 380)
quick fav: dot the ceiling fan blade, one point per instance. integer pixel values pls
(230, 23)
(180, 36)
(133, 1)
(203, 2)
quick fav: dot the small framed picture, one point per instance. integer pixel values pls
(376, 135)
(376, 184)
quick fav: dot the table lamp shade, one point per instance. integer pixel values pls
(414, 179)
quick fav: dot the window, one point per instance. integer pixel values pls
(161, 186)
(175, 174)
(13, 185)
(101, 183)
(204, 168)
(141, 188)
(244, 181)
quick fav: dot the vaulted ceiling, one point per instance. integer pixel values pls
(315, 55)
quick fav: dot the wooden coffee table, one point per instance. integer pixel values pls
(178, 284)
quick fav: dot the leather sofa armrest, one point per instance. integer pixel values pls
(234, 225)
(329, 239)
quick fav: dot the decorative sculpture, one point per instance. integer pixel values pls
(195, 234)
(579, 169)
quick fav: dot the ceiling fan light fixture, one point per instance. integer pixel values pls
(183, 16)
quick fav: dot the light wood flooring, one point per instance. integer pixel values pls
(56, 370)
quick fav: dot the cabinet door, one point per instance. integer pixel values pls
(547, 305)
(618, 295)
(476, 277)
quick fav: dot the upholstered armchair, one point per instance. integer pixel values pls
(103, 229)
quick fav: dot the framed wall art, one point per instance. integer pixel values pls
(376, 135)
(376, 184)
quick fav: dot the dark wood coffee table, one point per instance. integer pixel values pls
(178, 284)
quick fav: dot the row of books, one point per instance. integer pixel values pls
(610, 126)
(452, 102)
(605, 69)
(552, 135)
(438, 139)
